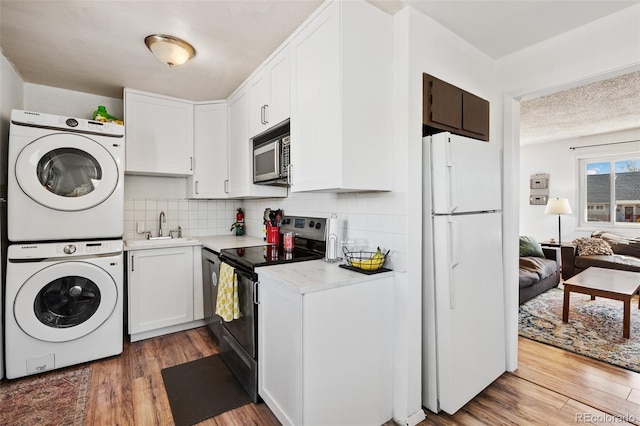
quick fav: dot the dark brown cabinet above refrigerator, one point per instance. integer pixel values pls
(449, 108)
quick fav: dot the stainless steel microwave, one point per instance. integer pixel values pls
(271, 161)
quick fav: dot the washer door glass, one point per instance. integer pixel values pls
(67, 172)
(65, 301)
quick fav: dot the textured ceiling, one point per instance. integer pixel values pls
(601, 107)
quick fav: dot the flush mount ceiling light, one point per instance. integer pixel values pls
(168, 49)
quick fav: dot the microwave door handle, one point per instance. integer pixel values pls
(278, 152)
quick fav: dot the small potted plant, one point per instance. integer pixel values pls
(238, 227)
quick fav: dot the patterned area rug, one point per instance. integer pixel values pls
(58, 397)
(594, 328)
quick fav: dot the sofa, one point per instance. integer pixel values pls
(538, 270)
(602, 250)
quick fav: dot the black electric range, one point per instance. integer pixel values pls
(239, 337)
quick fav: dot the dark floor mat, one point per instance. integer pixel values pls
(201, 389)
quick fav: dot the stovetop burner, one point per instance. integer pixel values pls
(250, 257)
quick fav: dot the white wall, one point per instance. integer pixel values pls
(560, 162)
(11, 97)
(53, 100)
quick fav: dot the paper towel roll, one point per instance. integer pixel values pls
(332, 238)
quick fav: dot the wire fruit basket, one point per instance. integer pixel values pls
(366, 260)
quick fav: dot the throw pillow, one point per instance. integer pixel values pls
(530, 247)
(592, 246)
(628, 246)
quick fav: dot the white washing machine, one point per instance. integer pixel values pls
(63, 306)
(65, 179)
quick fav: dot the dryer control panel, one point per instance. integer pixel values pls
(60, 122)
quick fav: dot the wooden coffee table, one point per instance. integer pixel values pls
(608, 283)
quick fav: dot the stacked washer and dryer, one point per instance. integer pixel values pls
(64, 286)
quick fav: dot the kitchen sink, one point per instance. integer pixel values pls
(159, 242)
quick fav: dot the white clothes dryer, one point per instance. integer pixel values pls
(63, 306)
(66, 178)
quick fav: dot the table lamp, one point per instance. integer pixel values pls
(558, 206)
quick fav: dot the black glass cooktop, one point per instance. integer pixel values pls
(250, 257)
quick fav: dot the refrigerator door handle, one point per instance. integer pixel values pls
(451, 168)
(453, 260)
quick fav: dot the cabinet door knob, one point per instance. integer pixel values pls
(196, 190)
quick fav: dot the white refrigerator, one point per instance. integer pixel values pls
(463, 294)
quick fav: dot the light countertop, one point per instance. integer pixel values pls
(303, 277)
(213, 242)
(219, 242)
(316, 275)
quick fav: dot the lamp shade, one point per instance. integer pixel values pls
(170, 50)
(558, 206)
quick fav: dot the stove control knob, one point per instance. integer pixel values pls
(318, 225)
(311, 223)
(69, 249)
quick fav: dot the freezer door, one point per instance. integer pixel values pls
(465, 173)
(470, 343)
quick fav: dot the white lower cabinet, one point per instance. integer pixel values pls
(325, 358)
(161, 290)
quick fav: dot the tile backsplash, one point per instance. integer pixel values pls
(195, 217)
(370, 219)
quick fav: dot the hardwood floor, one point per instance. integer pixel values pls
(553, 387)
(128, 390)
(550, 387)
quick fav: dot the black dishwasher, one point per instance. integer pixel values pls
(210, 273)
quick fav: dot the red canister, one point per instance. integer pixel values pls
(273, 235)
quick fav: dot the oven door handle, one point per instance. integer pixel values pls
(256, 299)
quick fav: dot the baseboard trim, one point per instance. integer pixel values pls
(413, 419)
(166, 330)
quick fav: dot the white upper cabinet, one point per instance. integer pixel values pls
(258, 102)
(240, 182)
(159, 134)
(211, 164)
(270, 94)
(341, 100)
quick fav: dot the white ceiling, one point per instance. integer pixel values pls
(98, 46)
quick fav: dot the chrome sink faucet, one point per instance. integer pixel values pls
(161, 220)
